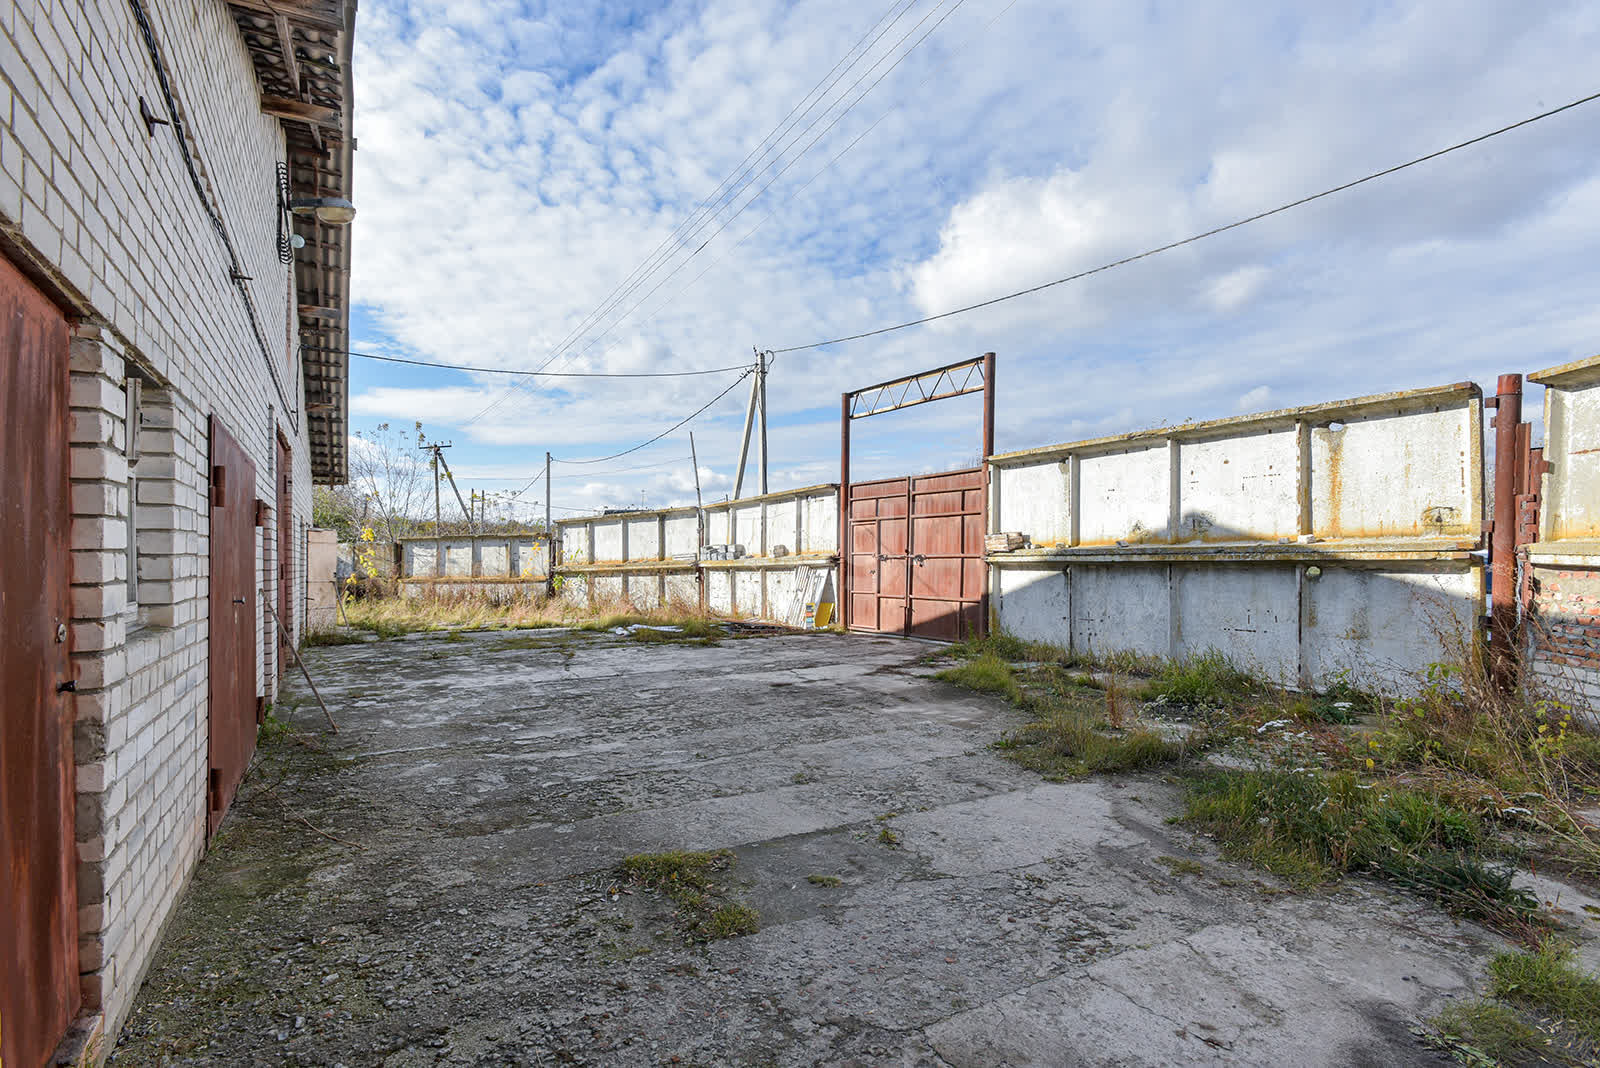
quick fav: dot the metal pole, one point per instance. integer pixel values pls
(744, 441)
(983, 461)
(1503, 544)
(843, 590)
(761, 379)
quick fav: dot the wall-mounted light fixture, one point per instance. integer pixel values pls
(334, 211)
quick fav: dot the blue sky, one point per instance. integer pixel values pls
(517, 161)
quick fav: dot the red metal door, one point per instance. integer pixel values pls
(285, 552)
(878, 515)
(916, 555)
(945, 558)
(38, 879)
(232, 654)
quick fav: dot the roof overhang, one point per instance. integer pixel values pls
(301, 50)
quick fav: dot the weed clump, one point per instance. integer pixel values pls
(1310, 829)
(1547, 981)
(987, 673)
(1209, 679)
(706, 911)
(334, 636)
(1541, 1004)
(824, 880)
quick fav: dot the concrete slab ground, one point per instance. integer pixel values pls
(435, 884)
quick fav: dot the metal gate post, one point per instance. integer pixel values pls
(1503, 543)
(983, 462)
(843, 593)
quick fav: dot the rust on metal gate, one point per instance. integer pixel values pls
(39, 992)
(912, 548)
(232, 654)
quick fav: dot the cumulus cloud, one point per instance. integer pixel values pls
(519, 158)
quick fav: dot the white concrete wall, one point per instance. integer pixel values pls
(110, 217)
(1378, 626)
(498, 557)
(1303, 543)
(805, 523)
(1403, 467)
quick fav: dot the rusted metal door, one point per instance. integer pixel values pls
(916, 555)
(945, 560)
(38, 879)
(878, 514)
(285, 552)
(232, 655)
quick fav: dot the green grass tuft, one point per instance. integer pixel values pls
(1310, 829)
(1546, 981)
(1493, 1032)
(1209, 679)
(705, 909)
(986, 674)
(314, 638)
(824, 880)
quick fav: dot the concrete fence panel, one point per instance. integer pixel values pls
(1305, 543)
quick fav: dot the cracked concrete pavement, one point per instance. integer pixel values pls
(456, 902)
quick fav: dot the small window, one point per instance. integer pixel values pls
(134, 391)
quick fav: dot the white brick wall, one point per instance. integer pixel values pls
(111, 217)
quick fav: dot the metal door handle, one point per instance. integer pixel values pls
(238, 600)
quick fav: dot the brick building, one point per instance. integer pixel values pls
(174, 252)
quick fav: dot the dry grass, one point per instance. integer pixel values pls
(393, 616)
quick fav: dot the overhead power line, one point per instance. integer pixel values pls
(547, 374)
(1200, 236)
(670, 429)
(744, 176)
(796, 191)
(731, 183)
(947, 11)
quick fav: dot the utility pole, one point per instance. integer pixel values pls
(549, 536)
(699, 505)
(744, 439)
(438, 520)
(761, 380)
(472, 526)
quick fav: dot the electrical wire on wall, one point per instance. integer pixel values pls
(236, 273)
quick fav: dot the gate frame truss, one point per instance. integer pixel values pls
(937, 383)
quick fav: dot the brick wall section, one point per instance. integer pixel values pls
(108, 216)
(1564, 627)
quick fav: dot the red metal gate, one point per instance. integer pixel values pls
(232, 655)
(912, 548)
(38, 878)
(285, 552)
(916, 555)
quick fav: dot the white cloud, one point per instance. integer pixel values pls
(518, 159)
(1254, 400)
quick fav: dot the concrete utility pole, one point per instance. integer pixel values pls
(549, 535)
(761, 380)
(744, 438)
(438, 519)
(699, 505)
